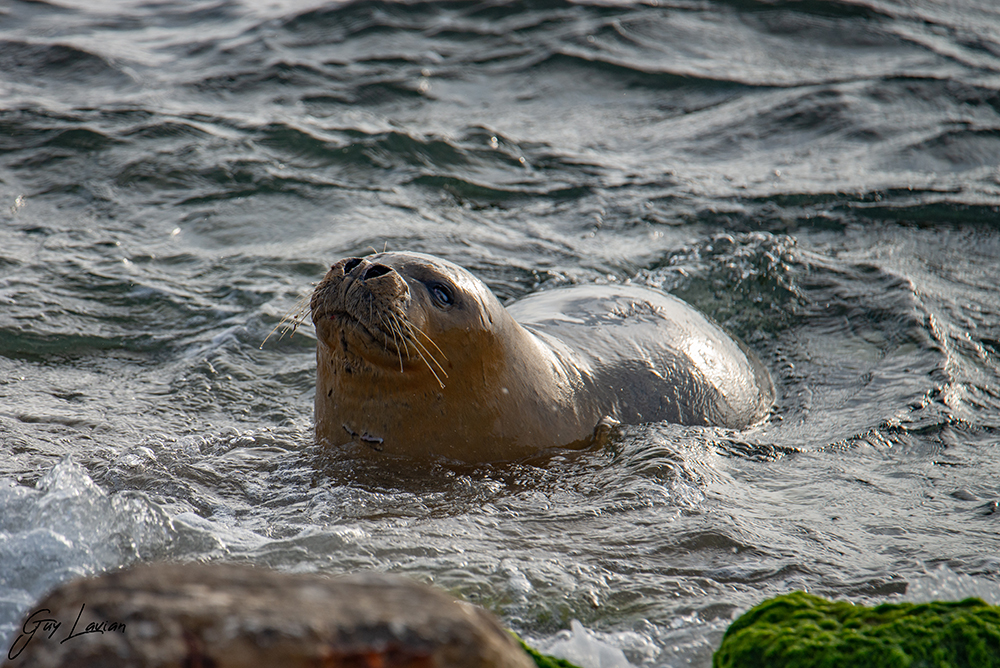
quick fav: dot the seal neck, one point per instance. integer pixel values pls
(556, 375)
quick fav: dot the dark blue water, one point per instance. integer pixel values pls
(823, 178)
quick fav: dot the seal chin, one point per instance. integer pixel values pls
(356, 337)
(366, 332)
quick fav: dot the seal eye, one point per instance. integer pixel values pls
(442, 294)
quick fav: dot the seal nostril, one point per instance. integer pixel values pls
(351, 264)
(376, 270)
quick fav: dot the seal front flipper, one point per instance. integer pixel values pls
(606, 429)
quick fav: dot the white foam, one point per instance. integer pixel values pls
(68, 527)
(581, 647)
(944, 584)
(197, 534)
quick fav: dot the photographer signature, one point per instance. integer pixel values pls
(47, 625)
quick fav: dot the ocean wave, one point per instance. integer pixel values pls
(61, 64)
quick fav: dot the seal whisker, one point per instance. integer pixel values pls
(413, 331)
(403, 338)
(418, 346)
(406, 331)
(290, 322)
(421, 332)
(429, 367)
(394, 329)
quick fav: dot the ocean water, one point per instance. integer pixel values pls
(821, 177)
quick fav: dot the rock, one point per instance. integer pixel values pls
(222, 615)
(799, 629)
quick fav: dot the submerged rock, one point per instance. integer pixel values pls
(799, 629)
(223, 615)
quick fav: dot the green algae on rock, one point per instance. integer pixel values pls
(799, 629)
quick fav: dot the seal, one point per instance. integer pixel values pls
(416, 357)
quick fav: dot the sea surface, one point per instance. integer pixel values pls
(821, 177)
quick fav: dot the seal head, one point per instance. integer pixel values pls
(417, 357)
